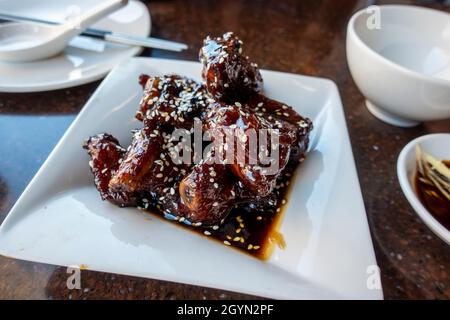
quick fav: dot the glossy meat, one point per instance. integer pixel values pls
(172, 102)
(106, 155)
(294, 128)
(209, 192)
(290, 129)
(138, 164)
(229, 75)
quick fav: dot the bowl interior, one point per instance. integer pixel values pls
(415, 38)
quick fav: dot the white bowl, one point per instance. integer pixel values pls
(402, 67)
(439, 146)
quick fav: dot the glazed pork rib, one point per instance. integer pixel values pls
(172, 101)
(229, 75)
(209, 192)
(106, 155)
(259, 113)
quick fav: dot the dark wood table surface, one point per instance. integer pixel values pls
(305, 37)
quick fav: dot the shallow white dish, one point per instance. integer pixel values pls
(399, 57)
(437, 145)
(60, 219)
(76, 65)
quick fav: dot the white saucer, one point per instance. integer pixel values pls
(74, 66)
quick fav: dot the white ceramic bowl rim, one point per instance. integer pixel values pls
(409, 190)
(407, 71)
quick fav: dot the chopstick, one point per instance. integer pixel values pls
(109, 36)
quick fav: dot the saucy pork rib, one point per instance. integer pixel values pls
(168, 103)
(280, 122)
(138, 167)
(229, 75)
(172, 101)
(106, 155)
(209, 191)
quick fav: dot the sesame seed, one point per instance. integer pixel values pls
(250, 247)
(303, 124)
(215, 204)
(206, 233)
(159, 175)
(258, 218)
(215, 227)
(227, 243)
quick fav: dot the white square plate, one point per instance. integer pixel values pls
(60, 218)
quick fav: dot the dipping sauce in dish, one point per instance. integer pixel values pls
(433, 199)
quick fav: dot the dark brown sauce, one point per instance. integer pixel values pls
(433, 200)
(254, 233)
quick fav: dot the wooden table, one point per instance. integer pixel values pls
(306, 37)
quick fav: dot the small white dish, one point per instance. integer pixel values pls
(76, 65)
(60, 218)
(402, 67)
(437, 145)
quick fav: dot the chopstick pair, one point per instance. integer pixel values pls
(109, 36)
